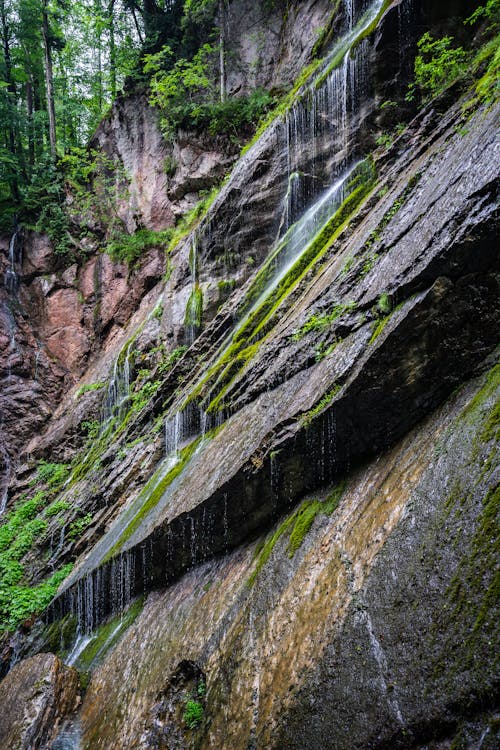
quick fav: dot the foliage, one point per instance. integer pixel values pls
(88, 387)
(384, 304)
(173, 357)
(53, 475)
(130, 247)
(91, 427)
(437, 65)
(57, 507)
(21, 529)
(193, 714)
(78, 526)
(185, 95)
(489, 12)
(19, 603)
(194, 308)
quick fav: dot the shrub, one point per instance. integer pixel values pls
(437, 65)
(130, 247)
(193, 714)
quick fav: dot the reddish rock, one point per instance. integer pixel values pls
(38, 256)
(87, 278)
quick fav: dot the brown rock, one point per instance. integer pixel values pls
(35, 696)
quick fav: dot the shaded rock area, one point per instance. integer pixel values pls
(36, 696)
(376, 633)
(53, 324)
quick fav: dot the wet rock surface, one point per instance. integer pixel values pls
(357, 639)
(36, 696)
(366, 617)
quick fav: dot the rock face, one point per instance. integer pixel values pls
(36, 696)
(375, 633)
(288, 448)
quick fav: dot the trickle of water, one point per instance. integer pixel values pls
(5, 479)
(11, 276)
(118, 391)
(79, 646)
(320, 125)
(182, 427)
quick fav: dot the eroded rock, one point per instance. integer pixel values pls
(36, 695)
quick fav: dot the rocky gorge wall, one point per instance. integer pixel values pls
(311, 534)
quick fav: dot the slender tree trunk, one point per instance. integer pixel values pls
(137, 27)
(222, 49)
(112, 48)
(11, 91)
(98, 42)
(31, 132)
(49, 81)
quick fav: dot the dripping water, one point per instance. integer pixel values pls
(5, 479)
(11, 277)
(118, 392)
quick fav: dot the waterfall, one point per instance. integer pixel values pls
(194, 307)
(118, 391)
(182, 427)
(318, 129)
(104, 591)
(4, 482)
(11, 276)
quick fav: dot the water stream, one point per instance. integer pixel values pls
(11, 276)
(317, 135)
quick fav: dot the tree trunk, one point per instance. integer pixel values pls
(31, 132)
(222, 49)
(112, 49)
(49, 81)
(11, 92)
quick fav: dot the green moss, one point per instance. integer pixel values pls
(152, 494)
(320, 322)
(194, 308)
(473, 409)
(86, 387)
(491, 429)
(377, 328)
(299, 522)
(333, 498)
(307, 417)
(107, 636)
(304, 519)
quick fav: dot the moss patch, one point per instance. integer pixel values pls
(194, 308)
(307, 417)
(152, 494)
(298, 523)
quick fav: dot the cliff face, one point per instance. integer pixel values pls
(283, 453)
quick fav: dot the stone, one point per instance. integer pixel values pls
(36, 696)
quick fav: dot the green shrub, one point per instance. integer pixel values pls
(130, 247)
(51, 474)
(193, 714)
(437, 65)
(78, 526)
(87, 387)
